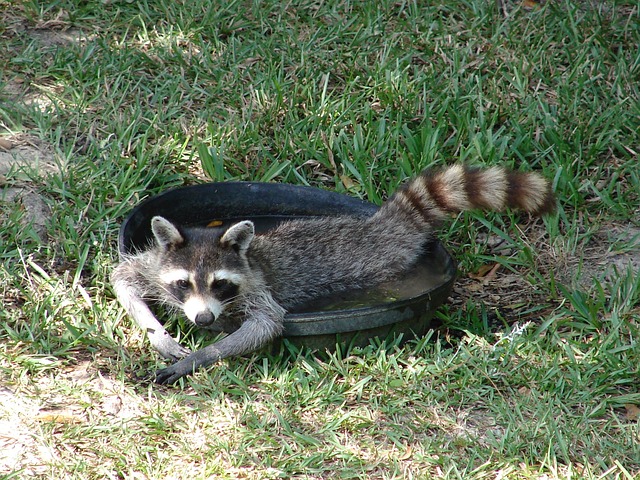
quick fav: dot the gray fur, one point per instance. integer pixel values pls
(263, 276)
(165, 233)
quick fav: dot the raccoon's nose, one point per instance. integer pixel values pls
(204, 319)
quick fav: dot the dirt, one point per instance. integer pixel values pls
(23, 417)
(27, 163)
(613, 248)
(20, 443)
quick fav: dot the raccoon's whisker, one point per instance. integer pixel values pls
(165, 299)
(170, 294)
(230, 300)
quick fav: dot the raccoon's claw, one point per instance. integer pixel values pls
(172, 374)
(168, 347)
(176, 353)
(187, 365)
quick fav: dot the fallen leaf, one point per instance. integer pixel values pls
(407, 453)
(58, 417)
(249, 61)
(531, 4)
(515, 306)
(347, 182)
(524, 390)
(112, 404)
(332, 161)
(632, 412)
(474, 287)
(5, 144)
(486, 272)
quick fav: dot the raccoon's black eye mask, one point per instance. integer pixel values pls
(224, 289)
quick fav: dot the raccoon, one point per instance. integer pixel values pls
(233, 280)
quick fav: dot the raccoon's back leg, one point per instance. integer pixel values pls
(264, 322)
(126, 286)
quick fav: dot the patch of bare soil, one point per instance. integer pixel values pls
(54, 31)
(504, 293)
(28, 154)
(24, 416)
(46, 35)
(613, 248)
(57, 37)
(27, 161)
(20, 444)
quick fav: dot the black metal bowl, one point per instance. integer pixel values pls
(403, 307)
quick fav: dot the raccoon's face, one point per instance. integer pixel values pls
(202, 295)
(202, 270)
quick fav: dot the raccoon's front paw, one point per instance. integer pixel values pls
(173, 373)
(167, 346)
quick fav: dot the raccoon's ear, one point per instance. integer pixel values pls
(166, 233)
(239, 236)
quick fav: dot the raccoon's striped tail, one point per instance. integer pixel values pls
(435, 195)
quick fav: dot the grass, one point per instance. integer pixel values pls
(533, 373)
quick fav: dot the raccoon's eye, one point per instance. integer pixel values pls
(224, 289)
(182, 284)
(221, 284)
